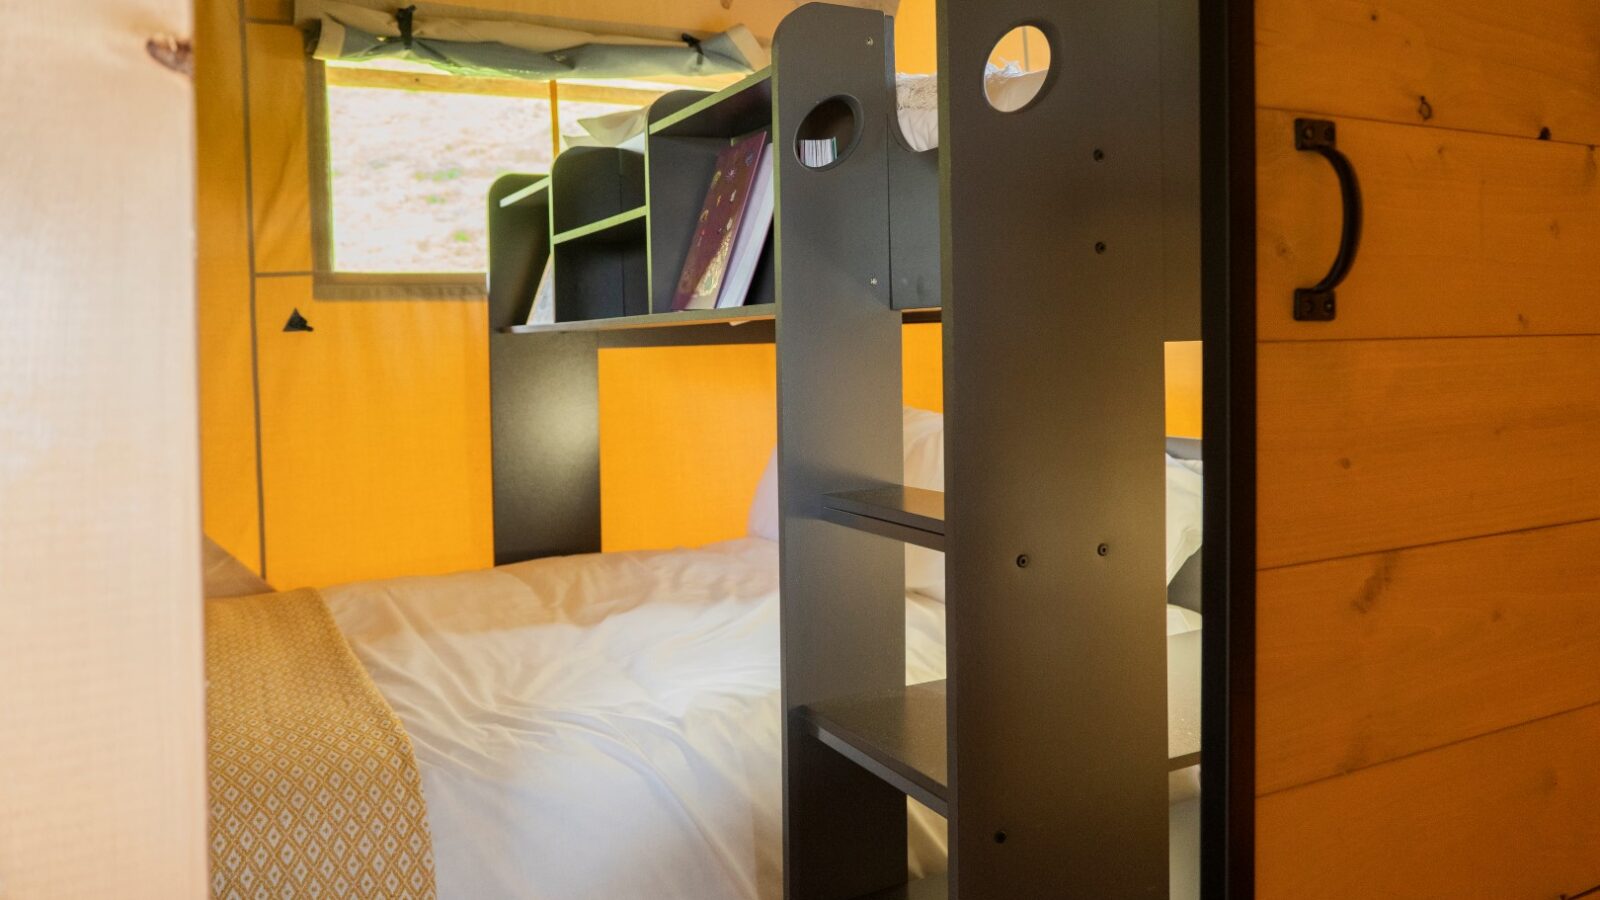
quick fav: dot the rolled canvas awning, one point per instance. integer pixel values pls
(356, 31)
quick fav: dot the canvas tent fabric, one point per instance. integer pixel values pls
(353, 32)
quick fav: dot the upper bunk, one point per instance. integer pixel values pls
(615, 219)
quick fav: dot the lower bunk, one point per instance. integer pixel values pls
(601, 726)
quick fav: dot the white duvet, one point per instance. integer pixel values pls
(602, 726)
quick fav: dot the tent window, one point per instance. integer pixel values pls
(408, 161)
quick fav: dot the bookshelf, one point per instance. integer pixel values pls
(616, 224)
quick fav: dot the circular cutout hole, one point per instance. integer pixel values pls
(827, 134)
(1018, 69)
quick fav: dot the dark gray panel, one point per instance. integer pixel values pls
(1054, 431)
(839, 428)
(1180, 175)
(914, 226)
(546, 445)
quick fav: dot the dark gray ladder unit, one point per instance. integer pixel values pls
(1048, 746)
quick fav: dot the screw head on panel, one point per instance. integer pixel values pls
(1100, 247)
(1103, 550)
(1022, 561)
(1099, 155)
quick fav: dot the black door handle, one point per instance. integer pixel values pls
(1319, 303)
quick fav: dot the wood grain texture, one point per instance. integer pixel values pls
(101, 713)
(1465, 234)
(1366, 446)
(1504, 68)
(1376, 657)
(1509, 816)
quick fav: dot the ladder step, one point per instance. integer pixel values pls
(908, 514)
(934, 887)
(898, 735)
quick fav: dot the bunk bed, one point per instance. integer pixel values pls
(568, 713)
(1042, 692)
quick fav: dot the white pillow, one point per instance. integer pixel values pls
(763, 521)
(924, 468)
(1185, 512)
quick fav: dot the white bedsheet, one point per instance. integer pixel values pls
(601, 726)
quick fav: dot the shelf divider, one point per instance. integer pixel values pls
(538, 187)
(604, 225)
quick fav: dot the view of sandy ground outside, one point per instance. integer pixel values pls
(411, 172)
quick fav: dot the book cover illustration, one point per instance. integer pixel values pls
(700, 282)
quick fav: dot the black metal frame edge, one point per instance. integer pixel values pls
(1228, 325)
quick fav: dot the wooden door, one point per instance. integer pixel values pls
(101, 715)
(1428, 500)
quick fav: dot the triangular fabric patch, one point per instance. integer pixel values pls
(297, 322)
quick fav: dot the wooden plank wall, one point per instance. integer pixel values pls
(102, 779)
(1428, 654)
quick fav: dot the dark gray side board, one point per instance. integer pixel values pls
(839, 429)
(1228, 320)
(1055, 314)
(544, 421)
(545, 427)
(913, 225)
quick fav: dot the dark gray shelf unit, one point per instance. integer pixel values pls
(1058, 241)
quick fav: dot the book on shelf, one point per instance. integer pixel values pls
(731, 229)
(751, 242)
(815, 154)
(543, 310)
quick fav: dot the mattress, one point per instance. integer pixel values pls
(602, 726)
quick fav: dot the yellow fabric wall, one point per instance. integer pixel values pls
(373, 458)
(686, 431)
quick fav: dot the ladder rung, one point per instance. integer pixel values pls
(908, 514)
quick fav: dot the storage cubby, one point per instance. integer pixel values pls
(688, 129)
(519, 246)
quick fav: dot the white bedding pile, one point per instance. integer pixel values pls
(606, 727)
(601, 726)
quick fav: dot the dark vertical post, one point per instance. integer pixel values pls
(544, 399)
(839, 428)
(1054, 319)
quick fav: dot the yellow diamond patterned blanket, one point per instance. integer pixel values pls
(314, 791)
